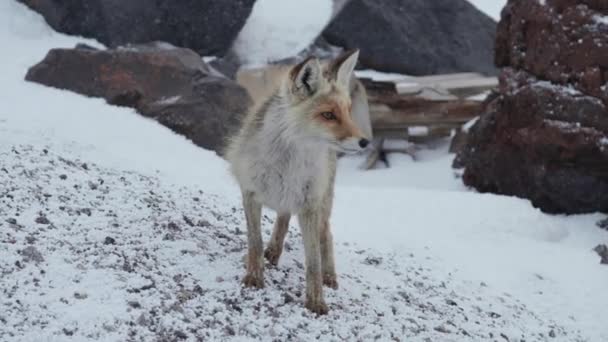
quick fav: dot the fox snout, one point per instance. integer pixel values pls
(353, 145)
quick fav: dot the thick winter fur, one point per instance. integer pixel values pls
(261, 83)
(284, 158)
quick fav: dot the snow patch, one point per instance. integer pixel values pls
(467, 126)
(381, 76)
(169, 100)
(490, 7)
(600, 19)
(567, 89)
(279, 29)
(418, 131)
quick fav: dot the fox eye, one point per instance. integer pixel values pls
(328, 116)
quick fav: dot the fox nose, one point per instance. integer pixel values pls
(363, 143)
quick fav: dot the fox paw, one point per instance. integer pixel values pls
(331, 281)
(272, 255)
(318, 307)
(253, 281)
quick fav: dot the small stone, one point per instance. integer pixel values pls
(42, 220)
(603, 224)
(373, 261)
(109, 241)
(134, 304)
(442, 329)
(92, 185)
(602, 251)
(287, 298)
(63, 177)
(11, 220)
(142, 320)
(181, 335)
(552, 333)
(79, 295)
(30, 253)
(493, 314)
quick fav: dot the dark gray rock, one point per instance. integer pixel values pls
(207, 27)
(417, 37)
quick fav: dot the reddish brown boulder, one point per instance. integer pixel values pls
(541, 141)
(545, 136)
(563, 41)
(171, 85)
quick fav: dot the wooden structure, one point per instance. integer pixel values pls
(421, 108)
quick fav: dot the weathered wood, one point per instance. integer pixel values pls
(435, 102)
(436, 79)
(415, 111)
(460, 85)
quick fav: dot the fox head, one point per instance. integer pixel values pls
(320, 98)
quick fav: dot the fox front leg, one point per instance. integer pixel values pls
(310, 225)
(255, 261)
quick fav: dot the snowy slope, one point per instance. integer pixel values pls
(490, 7)
(418, 255)
(279, 29)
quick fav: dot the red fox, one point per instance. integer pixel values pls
(284, 158)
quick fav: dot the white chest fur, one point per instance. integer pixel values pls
(286, 178)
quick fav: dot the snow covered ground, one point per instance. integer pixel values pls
(113, 228)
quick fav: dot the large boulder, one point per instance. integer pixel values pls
(545, 135)
(417, 37)
(564, 41)
(172, 85)
(207, 27)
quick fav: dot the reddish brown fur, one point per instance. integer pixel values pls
(343, 127)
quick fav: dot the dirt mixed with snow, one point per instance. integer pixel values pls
(90, 253)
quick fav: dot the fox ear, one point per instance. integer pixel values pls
(343, 66)
(305, 77)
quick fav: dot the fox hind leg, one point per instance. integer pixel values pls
(275, 246)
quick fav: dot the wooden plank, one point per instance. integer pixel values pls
(420, 112)
(457, 87)
(470, 87)
(445, 77)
